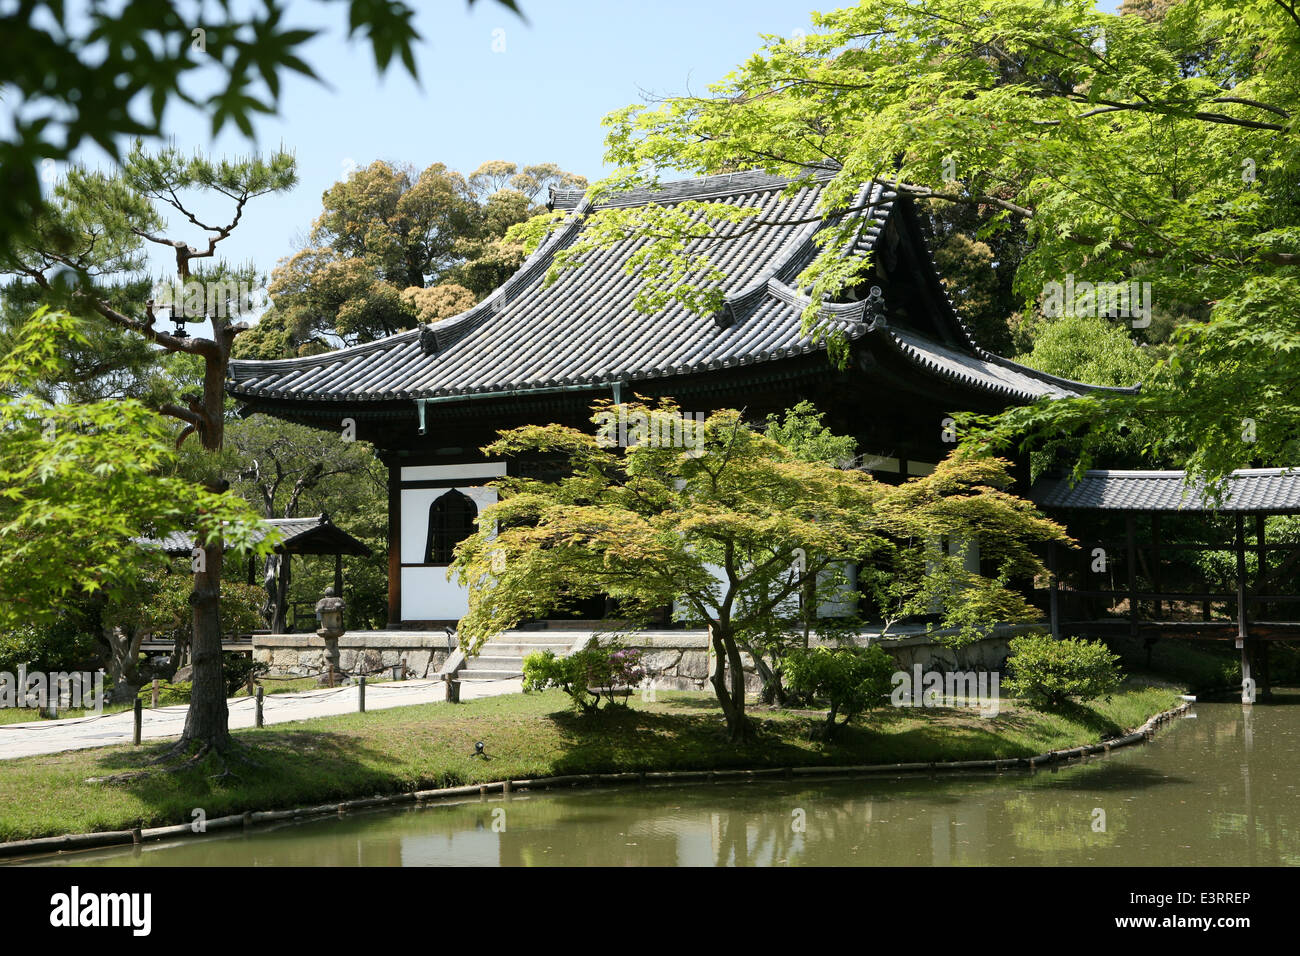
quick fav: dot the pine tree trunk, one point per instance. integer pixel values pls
(207, 721)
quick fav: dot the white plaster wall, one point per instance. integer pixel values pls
(491, 469)
(427, 595)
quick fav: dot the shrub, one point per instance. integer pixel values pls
(1047, 673)
(850, 679)
(609, 665)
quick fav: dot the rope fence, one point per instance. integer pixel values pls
(399, 685)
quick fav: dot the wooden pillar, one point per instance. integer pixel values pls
(394, 541)
(1054, 600)
(251, 582)
(1155, 564)
(1130, 543)
(282, 592)
(1261, 565)
(1243, 637)
(338, 575)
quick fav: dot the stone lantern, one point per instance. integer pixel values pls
(330, 611)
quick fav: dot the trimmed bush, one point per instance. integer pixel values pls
(1047, 674)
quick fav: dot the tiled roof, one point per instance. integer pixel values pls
(583, 329)
(982, 370)
(298, 534)
(1248, 490)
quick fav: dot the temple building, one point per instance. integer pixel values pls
(429, 398)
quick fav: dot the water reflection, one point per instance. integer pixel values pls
(1220, 787)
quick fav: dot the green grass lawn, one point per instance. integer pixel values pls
(526, 735)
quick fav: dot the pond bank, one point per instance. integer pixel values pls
(421, 753)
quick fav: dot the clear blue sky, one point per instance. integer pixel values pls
(541, 99)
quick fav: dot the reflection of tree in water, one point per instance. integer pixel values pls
(1052, 821)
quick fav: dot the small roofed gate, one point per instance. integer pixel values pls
(1161, 556)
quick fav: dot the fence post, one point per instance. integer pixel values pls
(139, 718)
(361, 692)
(259, 706)
(155, 694)
(250, 683)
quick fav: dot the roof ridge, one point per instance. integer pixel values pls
(1171, 473)
(695, 187)
(451, 328)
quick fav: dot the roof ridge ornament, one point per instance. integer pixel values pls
(428, 340)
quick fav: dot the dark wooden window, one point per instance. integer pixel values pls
(451, 521)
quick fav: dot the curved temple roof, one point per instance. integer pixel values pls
(314, 535)
(583, 329)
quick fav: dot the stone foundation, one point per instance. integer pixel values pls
(367, 652)
(679, 660)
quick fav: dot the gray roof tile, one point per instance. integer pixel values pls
(584, 328)
(317, 530)
(1248, 490)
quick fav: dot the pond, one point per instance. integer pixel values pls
(1220, 786)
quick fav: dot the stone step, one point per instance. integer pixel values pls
(493, 662)
(513, 649)
(485, 675)
(532, 637)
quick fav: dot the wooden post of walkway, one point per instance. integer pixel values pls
(361, 692)
(259, 706)
(1243, 636)
(154, 703)
(138, 714)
